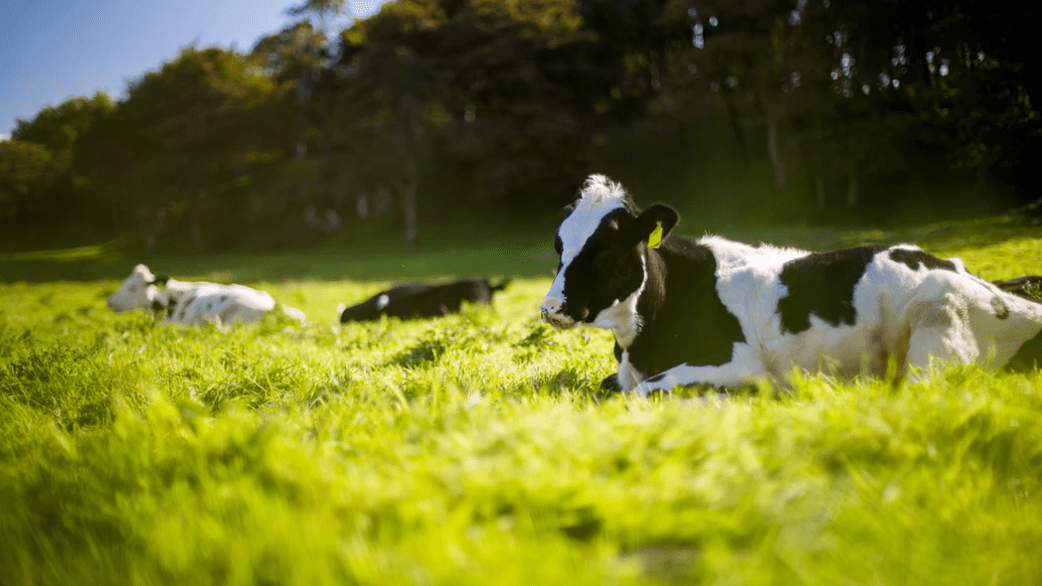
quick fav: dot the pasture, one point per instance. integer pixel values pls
(476, 448)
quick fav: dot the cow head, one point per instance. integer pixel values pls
(138, 291)
(602, 244)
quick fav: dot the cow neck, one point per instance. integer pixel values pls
(646, 301)
(654, 294)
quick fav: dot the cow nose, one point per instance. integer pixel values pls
(552, 305)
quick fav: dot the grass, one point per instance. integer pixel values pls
(475, 448)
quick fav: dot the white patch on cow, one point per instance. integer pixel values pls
(220, 304)
(382, 301)
(628, 376)
(599, 198)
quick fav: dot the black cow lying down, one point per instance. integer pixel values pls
(1023, 287)
(422, 299)
(713, 311)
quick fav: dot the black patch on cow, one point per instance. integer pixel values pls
(422, 299)
(656, 378)
(157, 306)
(1029, 357)
(822, 284)
(611, 383)
(1001, 311)
(916, 258)
(618, 352)
(690, 325)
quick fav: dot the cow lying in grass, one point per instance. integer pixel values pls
(194, 303)
(712, 311)
(422, 299)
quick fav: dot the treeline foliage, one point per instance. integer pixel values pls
(431, 108)
(37, 186)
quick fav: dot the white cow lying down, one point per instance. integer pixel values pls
(194, 303)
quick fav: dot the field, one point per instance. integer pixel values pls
(476, 448)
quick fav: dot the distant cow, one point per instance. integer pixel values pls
(422, 299)
(1023, 287)
(194, 303)
(712, 311)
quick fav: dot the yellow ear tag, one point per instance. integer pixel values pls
(656, 236)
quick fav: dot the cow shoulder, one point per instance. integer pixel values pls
(684, 320)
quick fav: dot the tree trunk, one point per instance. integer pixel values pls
(772, 115)
(736, 123)
(196, 233)
(408, 195)
(852, 190)
(362, 206)
(121, 239)
(777, 163)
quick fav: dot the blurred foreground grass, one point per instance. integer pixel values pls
(475, 448)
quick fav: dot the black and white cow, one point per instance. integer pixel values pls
(421, 299)
(713, 311)
(194, 303)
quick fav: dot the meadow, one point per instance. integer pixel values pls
(477, 448)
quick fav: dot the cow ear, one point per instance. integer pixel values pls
(160, 279)
(654, 224)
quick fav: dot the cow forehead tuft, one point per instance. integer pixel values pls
(599, 188)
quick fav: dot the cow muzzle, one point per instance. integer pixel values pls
(552, 312)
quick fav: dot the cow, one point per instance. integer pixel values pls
(1023, 287)
(711, 311)
(194, 303)
(422, 299)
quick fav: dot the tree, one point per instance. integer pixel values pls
(509, 92)
(294, 57)
(58, 127)
(184, 139)
(27, 172)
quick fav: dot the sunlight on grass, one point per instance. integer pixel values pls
(93, 252)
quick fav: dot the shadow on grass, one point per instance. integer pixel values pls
(372, 263)
(523, 254)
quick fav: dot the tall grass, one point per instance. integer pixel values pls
(477, 449)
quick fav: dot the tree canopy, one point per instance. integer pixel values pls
(442, 105)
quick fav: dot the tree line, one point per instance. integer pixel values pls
(431, 109)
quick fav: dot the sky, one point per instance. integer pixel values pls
(53, 50)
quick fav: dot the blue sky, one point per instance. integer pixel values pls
(53, 50)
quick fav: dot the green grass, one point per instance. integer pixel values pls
(475, 448)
